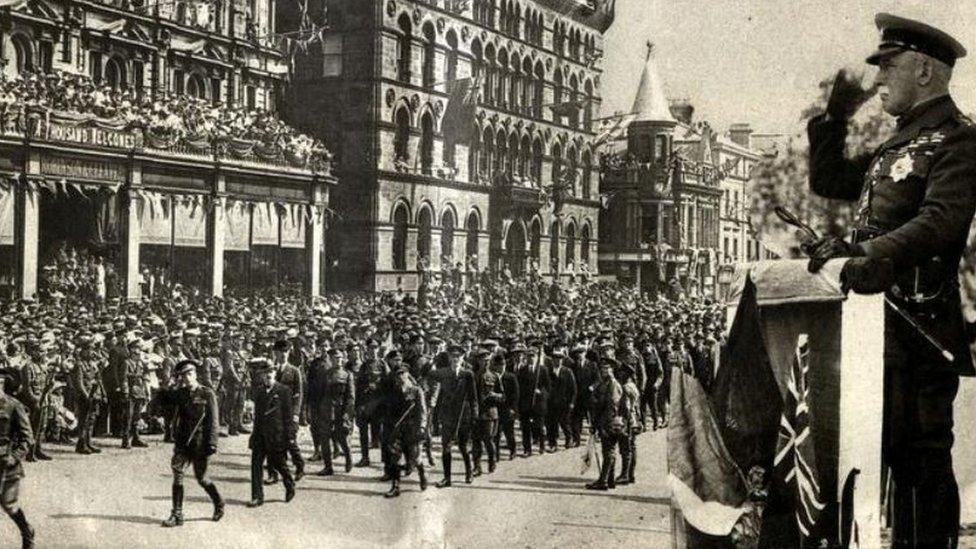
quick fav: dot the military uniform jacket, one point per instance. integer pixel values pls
(195, 419)
(273, 423)
(490, 393)
(368, 393)
(134, 380)
(605, 404)
(290, 377)
(86, 381)
(408, 416)
(232, 362)
(916, 197)
(636, 361)
(32, 383)
(338, 403)
(630, 406)
(16, 437)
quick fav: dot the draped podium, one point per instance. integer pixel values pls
(785, 451)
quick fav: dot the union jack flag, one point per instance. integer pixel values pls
(795, 463)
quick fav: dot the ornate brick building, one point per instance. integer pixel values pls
(524, 191)
(143, 132)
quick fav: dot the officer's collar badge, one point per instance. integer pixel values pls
(901, 168)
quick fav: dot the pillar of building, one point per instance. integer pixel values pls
(215, 238)
(26, 236)
(130, 235)
(315, 243)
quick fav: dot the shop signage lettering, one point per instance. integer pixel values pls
(93, 136)
(80, 168)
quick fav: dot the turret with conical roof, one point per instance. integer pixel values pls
(650, 131)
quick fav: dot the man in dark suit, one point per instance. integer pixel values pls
(562, 399)
(533, 380)
(274, 429)
(456, 403)
(915, 202)
(291, 377)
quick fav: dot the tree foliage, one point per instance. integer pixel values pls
(783, 179)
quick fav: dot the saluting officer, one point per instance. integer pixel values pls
(196, 429)
(915, 201)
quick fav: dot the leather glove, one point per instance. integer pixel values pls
(828, 248)
(847, 96)
(866, 275)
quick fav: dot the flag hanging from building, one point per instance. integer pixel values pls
(795, 463)
(458, 124)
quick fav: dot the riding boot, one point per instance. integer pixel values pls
(632, 463)
(176, 517)
(611, 466)
(394, 489)
(624, 470)
(348, 454)
(26, 530)
(446, 462)
(491, 461)
(422, 476)
(218, 502)
(466, 457)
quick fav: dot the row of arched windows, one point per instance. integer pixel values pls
(516, 233)
(424, 225)
(509, 17)
(493, 154)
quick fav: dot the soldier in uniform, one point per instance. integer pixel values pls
(196, 430)
(134, 392)
(334, 398)
(604, 410)
(585, 371)
(233, 360)
(455, 397)
(488, 386)
(629, 411)
(34, 387)
(369, 401)
(408, 417)
(274, 429)
(16, 441)
(916, 199)
(86, 382)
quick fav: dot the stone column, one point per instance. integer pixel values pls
(128, 264)
(315, 244)
(215, 238)
(26, 234)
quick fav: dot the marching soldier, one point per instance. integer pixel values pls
(86, 382)
(604, 410)
(134, 394)
(369, 401)
(490, 395)
(630, 413)
(196, 429)
(915, 204)
(291, 377)
(16, 441)
(335, 396)
(274, 426)
(408, 416)
(455, 397)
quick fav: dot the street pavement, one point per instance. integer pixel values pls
(119, 497)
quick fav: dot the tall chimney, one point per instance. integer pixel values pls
(741, 134)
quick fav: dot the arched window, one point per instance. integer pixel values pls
(195, 86)
(557, 95)
(501, 83)
(404, 47)
(424, 223)
(585, 245)
(23, 55)
(588, 106)
(537, 162)
(487, 154)
(535, 239)
(471, 241)
(574, 115)
(540, 77)
(557, 164)
(427, 143)
(554, 246)
(587, 174)
(450, 65)
(488, 85)
(512, 164)
(447, 235)
(430, 53)
(500, 165)
(525, 155)
(527, 85)
(515, 82)
(115, 74)
(401, 137)
(570, 245)
(570, 170)
(400, 237)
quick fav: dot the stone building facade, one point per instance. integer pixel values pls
(411, 200)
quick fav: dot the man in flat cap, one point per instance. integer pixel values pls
(915, 202)
(196, 431)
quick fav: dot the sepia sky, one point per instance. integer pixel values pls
(759, 61)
